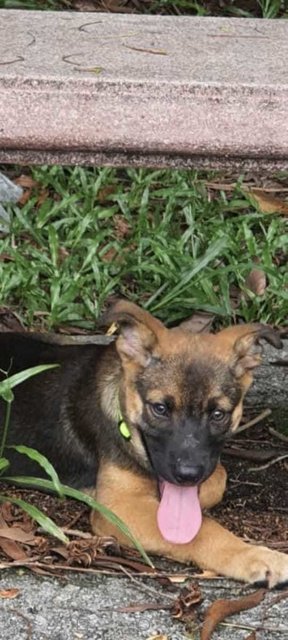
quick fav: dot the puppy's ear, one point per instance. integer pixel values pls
(139, 332)
(247, 349)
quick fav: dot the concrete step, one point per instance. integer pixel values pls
(94, 88)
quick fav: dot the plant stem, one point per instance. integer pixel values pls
(5, 429)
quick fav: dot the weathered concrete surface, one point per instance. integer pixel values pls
(153, 90)
(85, 609)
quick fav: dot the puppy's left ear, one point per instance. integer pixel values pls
(247, 348)
(139, 332)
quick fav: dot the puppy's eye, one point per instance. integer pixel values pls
(159, 409)
(218, 415)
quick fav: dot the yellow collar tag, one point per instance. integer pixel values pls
(124, 429)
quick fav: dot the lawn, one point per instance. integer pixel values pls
(173, 241)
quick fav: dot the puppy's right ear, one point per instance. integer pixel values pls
(139, 332)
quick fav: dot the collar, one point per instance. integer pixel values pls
(123, 428)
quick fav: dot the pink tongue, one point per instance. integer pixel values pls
(179, 513)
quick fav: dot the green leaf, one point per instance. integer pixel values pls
(33, 454)
(41, 483)
(46, 523)
(18, 378)
(4, 463)
(7, 394)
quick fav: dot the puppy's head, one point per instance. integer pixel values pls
(181, 393)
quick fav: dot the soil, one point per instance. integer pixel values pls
(256, 502)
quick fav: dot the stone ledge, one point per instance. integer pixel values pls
(143, 90)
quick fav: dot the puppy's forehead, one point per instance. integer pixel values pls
(187, 378)
(178, 341)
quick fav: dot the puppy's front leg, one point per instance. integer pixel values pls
(134, 498)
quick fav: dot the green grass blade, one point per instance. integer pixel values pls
(41, 483)
(46, 523)
(33, 454)
(18, 378)
(212, 252)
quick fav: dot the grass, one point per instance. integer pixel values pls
(234, 8)
(158, 237)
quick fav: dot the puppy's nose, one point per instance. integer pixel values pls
(189, 473)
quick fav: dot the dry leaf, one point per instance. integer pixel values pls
(26, 182)
(105, 192)
(267, 203)
(256, 282)
(9, 593)
(252, 636)
(17, 534)
(109, 255)
(122, 227)
(44, 193)
(12, 549)
(221, 609)
(158, 636)
(63, 254)
(184, 607)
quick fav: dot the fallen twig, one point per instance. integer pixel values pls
(278, 435)
(247, 454)
(133, 608)
(281, 596)
(147, 588)
(279, 363)
(251, 423)
(269, 464)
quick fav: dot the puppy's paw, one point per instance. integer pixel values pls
(261, 565)
(212, 490)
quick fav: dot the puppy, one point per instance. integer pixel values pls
(147, 416)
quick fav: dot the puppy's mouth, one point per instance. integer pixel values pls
(179, 514)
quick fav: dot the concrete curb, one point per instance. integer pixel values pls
(152, 90)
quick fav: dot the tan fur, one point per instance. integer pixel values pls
(133, 496)
(134, 499)
(110, 396)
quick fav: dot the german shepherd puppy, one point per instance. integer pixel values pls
(147, 416)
